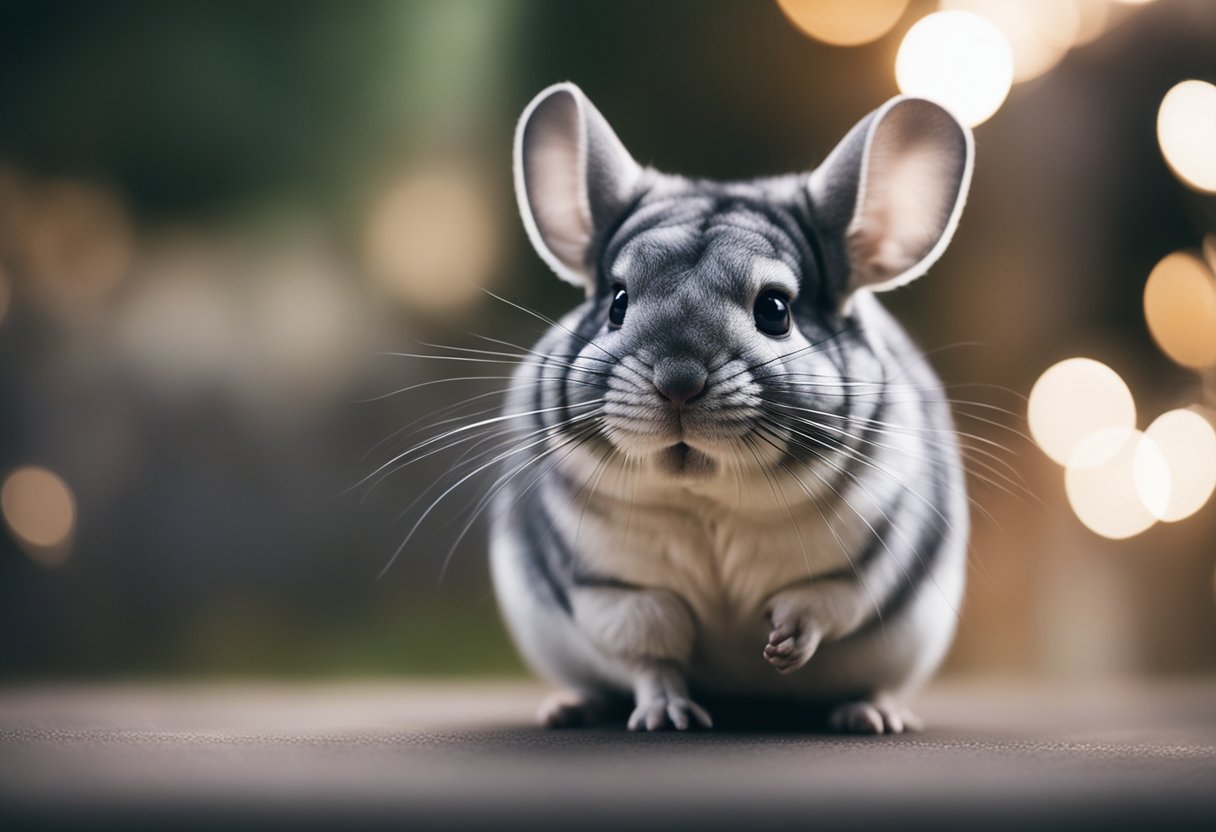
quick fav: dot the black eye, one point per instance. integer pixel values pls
(773, 313)
(620, 302)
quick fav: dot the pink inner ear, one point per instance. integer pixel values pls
(875, 258)
(554, 154)
(572, 175)
(911, 183)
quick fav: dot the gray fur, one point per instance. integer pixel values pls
(798, 527)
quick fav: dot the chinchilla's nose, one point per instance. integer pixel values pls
(682, 380)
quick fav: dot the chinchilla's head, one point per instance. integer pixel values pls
(711, 306)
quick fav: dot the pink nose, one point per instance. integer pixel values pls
(680, 380)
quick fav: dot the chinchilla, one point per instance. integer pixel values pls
(745, 480)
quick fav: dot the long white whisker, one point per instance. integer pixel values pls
(552, 322)
(497, 438)
(568, 356)
(760, 432)
(571, 444)
(1013, 481)
(464, 429)
(894, 527)
(498, 458)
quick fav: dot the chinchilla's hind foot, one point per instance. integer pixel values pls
(667, 714)
(565, 709)
(662, 703)
(880, 716)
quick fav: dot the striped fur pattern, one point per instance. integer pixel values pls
(798, 528)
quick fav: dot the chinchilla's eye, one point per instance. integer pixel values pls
(620, 302)
(773, 312)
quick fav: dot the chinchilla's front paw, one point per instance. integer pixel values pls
(793, 640)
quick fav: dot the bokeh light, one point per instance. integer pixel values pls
(1039, 32)
(1187, 442)
(1091, 21)
(844, 22)
(40, 511)
(311, 324)
(1108, 491)
(182, 328)
(1180, 307)
(959, 60)
(433, 238)
(1186, 131)
(1074, 400)
(78, 241)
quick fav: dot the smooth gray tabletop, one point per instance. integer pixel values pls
(465, 755)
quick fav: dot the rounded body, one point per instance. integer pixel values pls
(729, 472)
(893, 516)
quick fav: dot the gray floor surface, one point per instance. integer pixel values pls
(446, 755)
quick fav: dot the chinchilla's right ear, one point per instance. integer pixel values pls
(573, 177)
(889, 197)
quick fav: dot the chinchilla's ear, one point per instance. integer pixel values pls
(573, 177)
(891, 193)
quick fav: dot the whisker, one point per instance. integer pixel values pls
(472, 454)
(560, 359)
(895, 527)
(465, 428)
(552, 322)
(589, 486)
(760, 432)
(504, 455)
(1013, 478)
(794, 354)
(390, 394)
(788, 511)
(854, 453)
(456, 406)
(503, 482)
(579, 356)
(895, 426)
(862, 459)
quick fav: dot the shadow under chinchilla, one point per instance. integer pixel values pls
(769, 715)
(732, 714)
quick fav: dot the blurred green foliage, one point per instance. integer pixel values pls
(193, 106)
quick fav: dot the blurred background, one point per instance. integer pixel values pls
(217, 219)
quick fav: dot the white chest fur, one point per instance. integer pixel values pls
(723, 546)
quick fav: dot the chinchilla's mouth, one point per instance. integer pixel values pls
(684, 460)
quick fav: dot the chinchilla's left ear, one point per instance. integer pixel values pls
(891, 193)
(573, 177)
